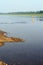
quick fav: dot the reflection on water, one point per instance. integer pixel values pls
(22, 20)
(29, 52)
(33, 21)
(40, 18)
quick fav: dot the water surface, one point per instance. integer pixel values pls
(28, 28)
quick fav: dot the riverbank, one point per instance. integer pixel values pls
(4, 38)
(24, 14)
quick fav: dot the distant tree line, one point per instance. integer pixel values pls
(31, 12)
(41, 11)
(37, 12)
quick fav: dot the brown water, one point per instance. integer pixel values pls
(28, 28)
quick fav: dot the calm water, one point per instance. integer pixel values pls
(28, 28)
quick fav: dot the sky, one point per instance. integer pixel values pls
(20, 5)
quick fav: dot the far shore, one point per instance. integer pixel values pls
(22, 14)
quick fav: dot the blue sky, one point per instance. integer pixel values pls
(20, 5)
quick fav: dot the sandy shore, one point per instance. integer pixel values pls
(4, 38)
(3, 63)
(9, 39)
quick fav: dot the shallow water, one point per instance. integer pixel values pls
(28, 28)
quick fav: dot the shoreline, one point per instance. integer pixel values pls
(24, 14)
